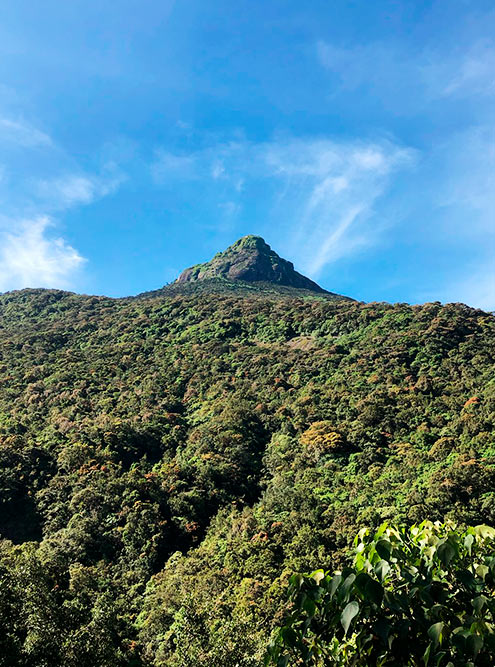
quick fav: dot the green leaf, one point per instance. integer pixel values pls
(296, 580)
(369, 588)
(336, 581)
(374, 591)
(309, 606)
(446, 553)
(382, 568)
(482, 571)
(361, 581)
(289, 637)
(466, 578)
(478, 603)
(347, 584)
(350, 611)
(382, 629)
(468, 542)
(485, 531)
(435, 633)
(383, 548)
(474, 644)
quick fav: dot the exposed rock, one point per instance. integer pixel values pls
(252, 260)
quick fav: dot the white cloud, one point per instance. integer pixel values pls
(473, 72)
(22, 134)
(320, 192)
(29, 257)
(217, 170)
(39, 178)
(70, 190)
(330, 191)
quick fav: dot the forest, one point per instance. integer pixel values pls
(174, 466)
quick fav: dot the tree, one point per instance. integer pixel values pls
(423, 595)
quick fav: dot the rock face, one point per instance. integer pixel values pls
(250, 259)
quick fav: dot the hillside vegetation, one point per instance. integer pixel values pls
(168, 461)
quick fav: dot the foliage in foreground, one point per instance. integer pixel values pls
(423, 595)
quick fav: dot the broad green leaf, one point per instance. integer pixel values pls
(382, 629)
(435, 633)
(296, 580)
(482, 571)
(478, 603)
(383, 548)
(446, 553)
(382, 568)
(309, 606)
(346, 586)
(374, 591)
(466, 578)
(369, 588)
(474, 644)
(336, 581)
(468, 542)
(485, 531)
(350, 611)
(289, 636)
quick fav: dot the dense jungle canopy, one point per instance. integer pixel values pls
(168, 461)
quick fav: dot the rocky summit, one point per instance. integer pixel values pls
(250, 259)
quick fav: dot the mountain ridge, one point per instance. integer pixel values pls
(250, 259)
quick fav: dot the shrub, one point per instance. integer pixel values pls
(423, 595)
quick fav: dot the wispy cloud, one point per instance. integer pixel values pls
(37, 180)
(70, 190)
(450, 204)
(329, 191)
(469, 72)
(22, 134)
(319, 193)
(31, 257)
(410, 80)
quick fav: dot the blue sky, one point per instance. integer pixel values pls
(358, 138)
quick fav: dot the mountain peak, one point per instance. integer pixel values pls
(252, 260)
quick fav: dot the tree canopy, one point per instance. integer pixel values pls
(167, 462)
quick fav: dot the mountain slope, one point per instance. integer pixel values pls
(174, 458)
(250, 259)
